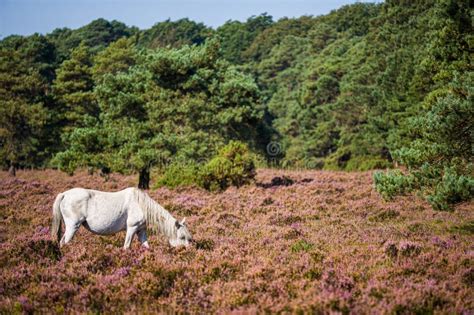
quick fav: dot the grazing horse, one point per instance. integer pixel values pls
(110, 212)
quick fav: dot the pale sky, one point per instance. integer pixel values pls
(25, 17)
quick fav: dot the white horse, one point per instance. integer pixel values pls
(110, 212)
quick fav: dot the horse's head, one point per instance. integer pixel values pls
(183, 236)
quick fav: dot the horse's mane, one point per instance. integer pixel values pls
(157, 218)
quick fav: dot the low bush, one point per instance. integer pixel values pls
(301, 246)
(392, 183)
(232, 166)
(179, 174)
(366, 163)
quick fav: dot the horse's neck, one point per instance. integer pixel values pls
(162, 219)
(168, 223)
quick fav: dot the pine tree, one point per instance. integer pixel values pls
(22, 111)
(439, 159)
(73, 88)
(119, 56)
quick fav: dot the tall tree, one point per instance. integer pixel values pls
(97, 35)
(237, 36)
(118, 57)
(73, 88)
(22, 109)
(175, 34)
(436, 145)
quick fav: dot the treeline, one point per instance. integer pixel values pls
(367, 86)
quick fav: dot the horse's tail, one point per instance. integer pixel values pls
(57, 217)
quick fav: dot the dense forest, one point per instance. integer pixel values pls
(367, 86)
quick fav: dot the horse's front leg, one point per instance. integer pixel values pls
(131, 230)
(142, 237)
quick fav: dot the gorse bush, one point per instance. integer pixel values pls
(233, 166)
(179, 174)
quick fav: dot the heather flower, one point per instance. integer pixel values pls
(122, 272)
(25, 304)
(391, 249)
(189, 202)
(442, 243)
(408, 248)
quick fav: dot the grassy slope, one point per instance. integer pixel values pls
(328, 243)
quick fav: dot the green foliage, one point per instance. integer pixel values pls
(84, 149)
(365, 163)
(439, 159)
(307, 77)
(452, 189)
(232, 166)
(174, 104)
(271, 36)
(237, 36)
(301, 246)
(179, 174)
(21, 125)
(392, 183)
(24, 112)
(97, 35)
(175, 34)
(119, 56)
(74, 86)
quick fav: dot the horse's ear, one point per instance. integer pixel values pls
(182, 221)
(177, 224)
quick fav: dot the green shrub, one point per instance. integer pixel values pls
(337, 160)
(449, 188)
(301, 246)
(179, 174)
(453, 188)
(366, 163)
(233, 166)
(392, 183)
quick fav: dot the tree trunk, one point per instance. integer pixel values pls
(90, 171)
(144, 178)
(12, 170)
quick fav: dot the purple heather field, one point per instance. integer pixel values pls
(325, 244)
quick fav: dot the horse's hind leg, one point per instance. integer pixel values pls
(71, 229)
(73, 211)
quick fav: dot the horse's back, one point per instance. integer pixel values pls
(86, 200)
(85, 192)
(76, 192)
